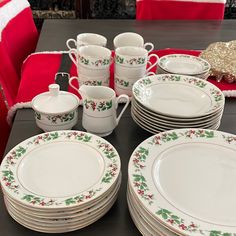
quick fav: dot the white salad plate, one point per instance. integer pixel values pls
(184, 179)
(178, 95)
(203, 76)
(183, 64)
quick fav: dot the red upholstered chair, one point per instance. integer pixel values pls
(4, 127)
(180, 9)
(18, 38)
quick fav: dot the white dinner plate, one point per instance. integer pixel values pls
(184, 64)
(177, 119)
(178, 95)
(144, 218)
(141, 114)
(62, 213)
(156, 128)
(185, 180)
(63, 229)
(67, 216)
(61, 169)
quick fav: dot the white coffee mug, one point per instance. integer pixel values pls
(131, 62)
(91, 60)
(86, 39)
(88, 80)
(123, 85)
(99, 109)
(131, 39)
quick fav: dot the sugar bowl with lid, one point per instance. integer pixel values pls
(55, 109)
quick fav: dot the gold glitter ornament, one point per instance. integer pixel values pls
(222, 58)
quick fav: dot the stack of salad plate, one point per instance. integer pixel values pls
(168, 101)
(184, 64)
(60, 181)
(181, 182)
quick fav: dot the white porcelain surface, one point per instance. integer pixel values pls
(54, 101)
(184, 64)
(186, 175)
(55, 110)
(92, 72)
(141, 112)
(87, 39)
(35, 183)
(131, 39)
(99, 109)
(50, 182)
(53, 181)
(178, 95)
(200, 119)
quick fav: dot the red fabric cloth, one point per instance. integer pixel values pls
(9, 79)
(18, 39)
(3, 2)
(180, 10)
(4, 127)
(46, 65)
(39, 71)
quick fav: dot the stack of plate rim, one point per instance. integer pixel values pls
(60, 181)
(169, 101)
(184, 64)
(181, 182)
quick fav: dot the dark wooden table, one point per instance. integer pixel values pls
(173, 34)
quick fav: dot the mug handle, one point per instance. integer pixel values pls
(68, 43)
(70, 83)
(150, 45)
(71, 52)
(150, 73)
(154, 64)
(125, 97)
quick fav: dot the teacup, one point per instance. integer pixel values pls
(123, 85)
(131, 39)
(99, 109)
(87, 39)
(132, 62)
(88, 72)
(86, 80)
(92, 59)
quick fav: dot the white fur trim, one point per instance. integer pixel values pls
(44, 52)
(10, 10)
(13, 109)
(229, 93)
(203, 1)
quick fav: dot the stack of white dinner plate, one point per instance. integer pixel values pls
(169, 101)
(184, 64)
(60, 181)
(181, 182)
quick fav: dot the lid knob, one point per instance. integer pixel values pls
(54, 89)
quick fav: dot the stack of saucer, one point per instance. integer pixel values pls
(60, 181)
(184, 64)
(167, 101)
(180, 182)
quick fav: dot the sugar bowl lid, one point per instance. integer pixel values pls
(55, 101)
